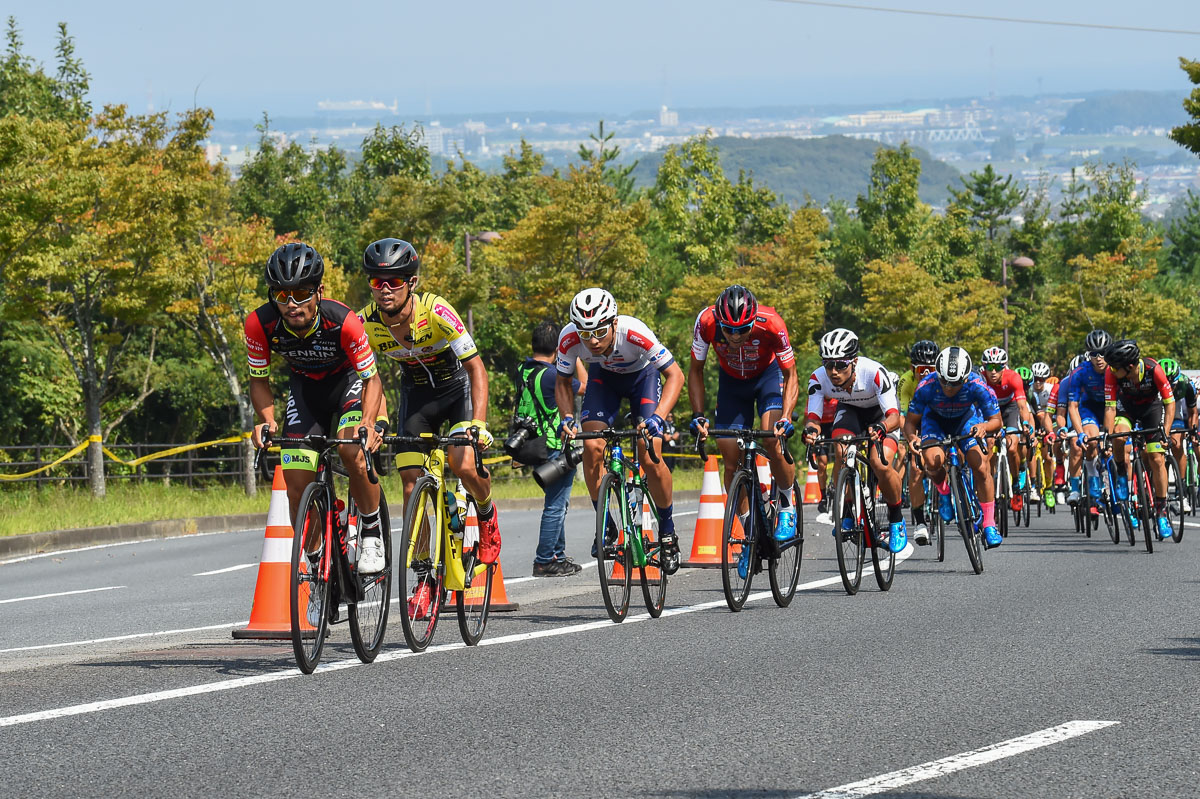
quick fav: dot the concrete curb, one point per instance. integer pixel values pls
(15, 546)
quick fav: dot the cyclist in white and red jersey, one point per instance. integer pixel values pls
(1009, 389)
(334, 384)
(757, 366)
(867, 405)
(624, 362)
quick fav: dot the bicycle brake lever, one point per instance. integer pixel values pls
(362, 444)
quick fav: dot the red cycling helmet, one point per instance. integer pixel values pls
(736, 307)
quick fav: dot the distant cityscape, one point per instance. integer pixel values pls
(1024, 136)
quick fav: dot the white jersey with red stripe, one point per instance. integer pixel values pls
(634, 348)
(871, 386)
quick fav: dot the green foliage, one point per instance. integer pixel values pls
(1128, 109)
(26, 90)
(1183, 233)
(1188, 135)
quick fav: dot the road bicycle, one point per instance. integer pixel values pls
(1003, 481)
(856, 526)
(1141, 491)
(1116, 513)
(323, 570)
(627, 526)
(438, 551)
(968, 513)
(748, 527)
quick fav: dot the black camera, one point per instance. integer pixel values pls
(523, 429)
(556, 469)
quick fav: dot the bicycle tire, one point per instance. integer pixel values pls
(849, 542)
(473, 605)
(1003, 487)
(936, 524)
(369, 618)
(883, 560)
(784, 569)
(420, 569)
(1145, 503)
(965, 515)
(614, 559)
(738, 542)
(1107, 512)
(1127, 515)
(1176, 497)
(652, 576)
(1026, 511)
(312, 515)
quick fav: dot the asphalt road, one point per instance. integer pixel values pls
(1068, 668)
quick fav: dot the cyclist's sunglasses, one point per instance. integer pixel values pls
(949, 383)
(599, 332)
(1094, 354)
(995, 367)
(298, 296)
(736, 331)
(381, 283)
(922, 369)
(838, 365)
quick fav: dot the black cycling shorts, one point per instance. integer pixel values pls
(424, 409)
(318, 407)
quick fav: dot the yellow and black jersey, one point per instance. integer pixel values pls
(437, 343)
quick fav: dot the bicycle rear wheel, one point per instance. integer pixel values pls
(936, 526)
(308, 596)
(475, 602)
(1003, 493)
(785, 568)
(849, 541)
(1175, 498)
(964, 512)
(420, 583)
(1145, 499)
(739, 534)
(1107, 511)
(883, 560)
(652, 576)
(614, 559)
(369, 617)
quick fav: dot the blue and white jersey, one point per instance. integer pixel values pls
(1086, 386)
(929, 398)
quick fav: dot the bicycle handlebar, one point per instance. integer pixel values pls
(613, 434)
(742, 434)
(318, 442)
(471, 441)
(863, 439)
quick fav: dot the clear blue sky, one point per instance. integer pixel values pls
(611, 56)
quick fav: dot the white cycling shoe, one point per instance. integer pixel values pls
(921, 535)
(370, 555)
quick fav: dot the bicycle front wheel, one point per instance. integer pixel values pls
(420, 582)
(936, 526)
(651, 576)
(739, 534)
(785, 568)
(369, 617)
(1145, 503)
(1175, 498)
(308, 597)
(848, 533)
(965, 513)
(475, 602)
(614, 559)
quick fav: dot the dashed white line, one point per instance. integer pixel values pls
(128, 637)
(61, 593)
(964, 760)
(238, 567)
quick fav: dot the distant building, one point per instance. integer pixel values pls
(668, 119)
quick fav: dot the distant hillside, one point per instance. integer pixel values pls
(833, 166)
(1127, 109)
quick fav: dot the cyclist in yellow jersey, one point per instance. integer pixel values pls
(443, 379)
(921, 357)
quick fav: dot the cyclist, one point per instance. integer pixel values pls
(954, 403)
(866, 405)
(1185, 415)
(1056, 406)
(1086, 404)
(442, 380)
(332, 372)
(1147, 404)
(757, 366)
(921, 357)
(820, 457)
(624, 361)
(1014, 410)
(1039, 395)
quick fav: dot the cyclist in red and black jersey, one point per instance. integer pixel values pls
(334, 384)
(1009, 389)
(1141, 387)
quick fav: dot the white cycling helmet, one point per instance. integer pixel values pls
(592, 309)
(995, 356)
(1041, 370)
(839, 343)
(1078, 359)
(953, 365)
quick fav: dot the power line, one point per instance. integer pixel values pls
(1016, 20)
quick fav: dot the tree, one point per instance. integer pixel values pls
(989, 200)
(603, 156)
(891, 211)
(1188, 135)
(26, 90)
(1183, 233)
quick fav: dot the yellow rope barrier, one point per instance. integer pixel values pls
(176, 450)
(82, 446)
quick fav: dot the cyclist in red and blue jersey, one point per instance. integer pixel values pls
(1014, 411)
(1142, 388)
(1085, 407)
(757, 367)
(1056, 409)
(956, 401)
(334, 384)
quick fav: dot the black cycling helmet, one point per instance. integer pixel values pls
(391, 258)
(295, 264)
(923, 353)
(1123, 353)
(1098, 341)
(736, 307)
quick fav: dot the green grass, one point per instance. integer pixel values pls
(31, 510)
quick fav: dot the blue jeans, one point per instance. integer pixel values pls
(552, 540)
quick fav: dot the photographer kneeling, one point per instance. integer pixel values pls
(534, 442)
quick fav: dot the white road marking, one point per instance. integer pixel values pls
(516, 580)
(61, 593)
(287, 674)
(965, 760)
(129, 637)
(238, 567)
(58, 552)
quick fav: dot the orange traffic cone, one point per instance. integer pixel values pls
(706, 541)
(270, 616)
(764, 473)
(812, 488)
(652, 574)
(474, 594)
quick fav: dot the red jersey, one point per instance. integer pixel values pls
(1009, 388)
(335, 344)
(768, 341)
(1147, 384)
